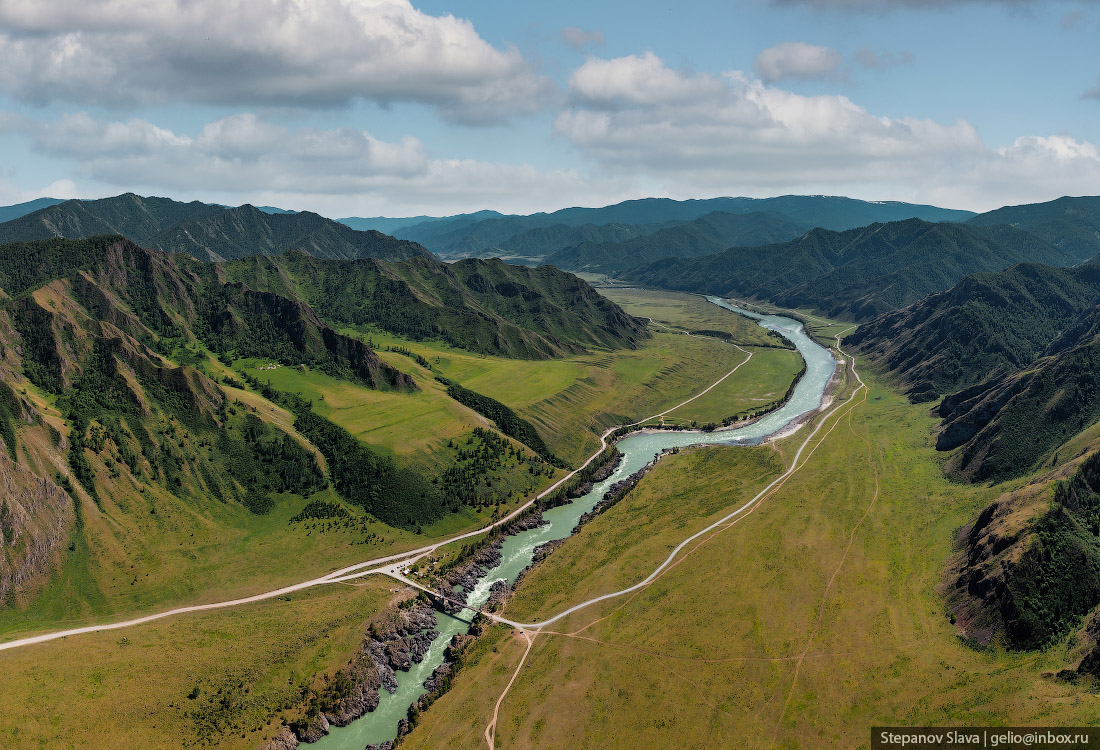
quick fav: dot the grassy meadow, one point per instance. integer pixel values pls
(147, 550)
(214, 679)
(802, 625)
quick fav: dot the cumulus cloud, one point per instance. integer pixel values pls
(579, 39)
(1093, 93)
(337, 172)
(733, 134)
(326, 53)
(797, 60)
(636, 111)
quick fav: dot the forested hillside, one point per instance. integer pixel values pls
(205, 231)
(482, 305)
(707, 234)
(1071, 224)
(132, 403)
(857, 274)
(987, 325)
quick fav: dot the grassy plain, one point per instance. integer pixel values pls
(218, 678)
(761, 382)
(572, 400)
(802, 625)
(686, 312)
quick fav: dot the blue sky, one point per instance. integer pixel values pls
(369, 107)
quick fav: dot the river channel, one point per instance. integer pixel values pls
(638, 450)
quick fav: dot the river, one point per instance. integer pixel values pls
(638, 450)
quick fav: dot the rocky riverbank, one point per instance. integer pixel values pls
(393, 644)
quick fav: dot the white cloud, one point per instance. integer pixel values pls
(260, 52)
(637, 80)
(797, 60)
(735, 135)
(243, 158)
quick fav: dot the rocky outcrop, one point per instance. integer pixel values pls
(389, 646)
(284, 740)
(35, 517)
(437, 678)
(314, 729)
(358, 699)
(599, 475)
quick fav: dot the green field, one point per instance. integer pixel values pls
(570, 401)
(774, 632)
(760, 383)
(686, 312)
(215, 679)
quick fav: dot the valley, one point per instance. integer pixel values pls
(316, 459)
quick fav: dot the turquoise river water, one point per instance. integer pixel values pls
(638, 450)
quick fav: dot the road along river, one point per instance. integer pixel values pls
(638, 450)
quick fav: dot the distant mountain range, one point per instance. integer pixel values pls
(1072, 224)
(7, 213)
(856, 274)
(707, 234)
(207, 232)
(488, 233)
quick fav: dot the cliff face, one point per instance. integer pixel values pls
(35, 519)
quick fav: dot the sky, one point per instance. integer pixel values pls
(396, 108)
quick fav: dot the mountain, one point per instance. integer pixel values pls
(150, 295)
(828, 212)
(856, 274)
(485, 306)
(275, 210)
(205, 231)
(119, 428)
(1071, 224)
(1006, 426)
(1029, 566)
(465, 236)
(7, 213)
(989, 324)
(391, 225)
(702, 236)
(539, 243)
(245, 230)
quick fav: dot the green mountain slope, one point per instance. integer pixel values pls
(702, 236)
(205, 231)
(485, 306)
(541, 242)
(1029, 567)
(466, 236)
(1072, 224)
(857, 274)
(1008, 425)
(988, 324)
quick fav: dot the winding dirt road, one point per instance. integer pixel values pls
(387, 565)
